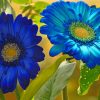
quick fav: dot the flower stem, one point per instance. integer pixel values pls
(99, 95)
(17, 93)
(65, 96)
(1, 96)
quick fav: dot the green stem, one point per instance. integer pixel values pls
(65, 96)
(17, 93)
(99, 95)
(1, 96)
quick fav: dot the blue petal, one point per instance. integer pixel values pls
(58, 39)
(1, 71)
(52, 19)
(4, 84)
(21, 22)
(97, 44)
(56, 49)
(64, 10)
(74, 50)
(3, 80)
(23, 25)
(94, 14)
(11, 78)
(28, 30)
(29, 52)
(69, 44)
(35, 53)
(34, 29)
(77, 55)
(44, 29)
(85, 53)
(23, 77)
(95, 51)
(54, 12)
(32, 67)
(97, 31)
(30, 41)
(38, 54)
(6, 24)
(91, 63)
(51, 30)
(83, 10)
(95, 54)
(57, 14)
(95, 22)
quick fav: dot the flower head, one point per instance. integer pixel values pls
(19, 52)
(73, 28)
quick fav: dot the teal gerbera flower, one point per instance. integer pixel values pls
(19, 52)
(73, 28)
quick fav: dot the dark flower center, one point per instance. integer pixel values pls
(10, 52)
(82, 32)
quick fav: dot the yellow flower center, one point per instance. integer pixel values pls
(82, 32)
(10, 52)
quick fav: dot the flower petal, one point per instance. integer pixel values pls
(32, 67)
(85, 53)
(56, 49)
(23, 77)
(11, 78)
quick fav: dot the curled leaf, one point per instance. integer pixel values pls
(56, 83)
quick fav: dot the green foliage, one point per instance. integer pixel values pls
(33, 10)
(6, 7)
(2, 97)
(1, 4)
(56, 83)
(39, 6)
(9, 9)
(87, 78)
(43, 76)
(22, 1)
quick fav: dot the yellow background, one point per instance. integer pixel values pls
(73, 83)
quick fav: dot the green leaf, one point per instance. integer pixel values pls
(1, 4)
(87, 78)
(26, 8)
(43, 76)
(6, 7)
(9, 9)
(22, 1)
(33, 10)
(36, 19)
(39, 6)
(56, 83)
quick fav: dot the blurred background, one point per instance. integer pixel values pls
(73, 82)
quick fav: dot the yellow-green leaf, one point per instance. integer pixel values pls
(22, 1)
(87, 78)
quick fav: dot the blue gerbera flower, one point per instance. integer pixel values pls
(19, 52)
(73, 28)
